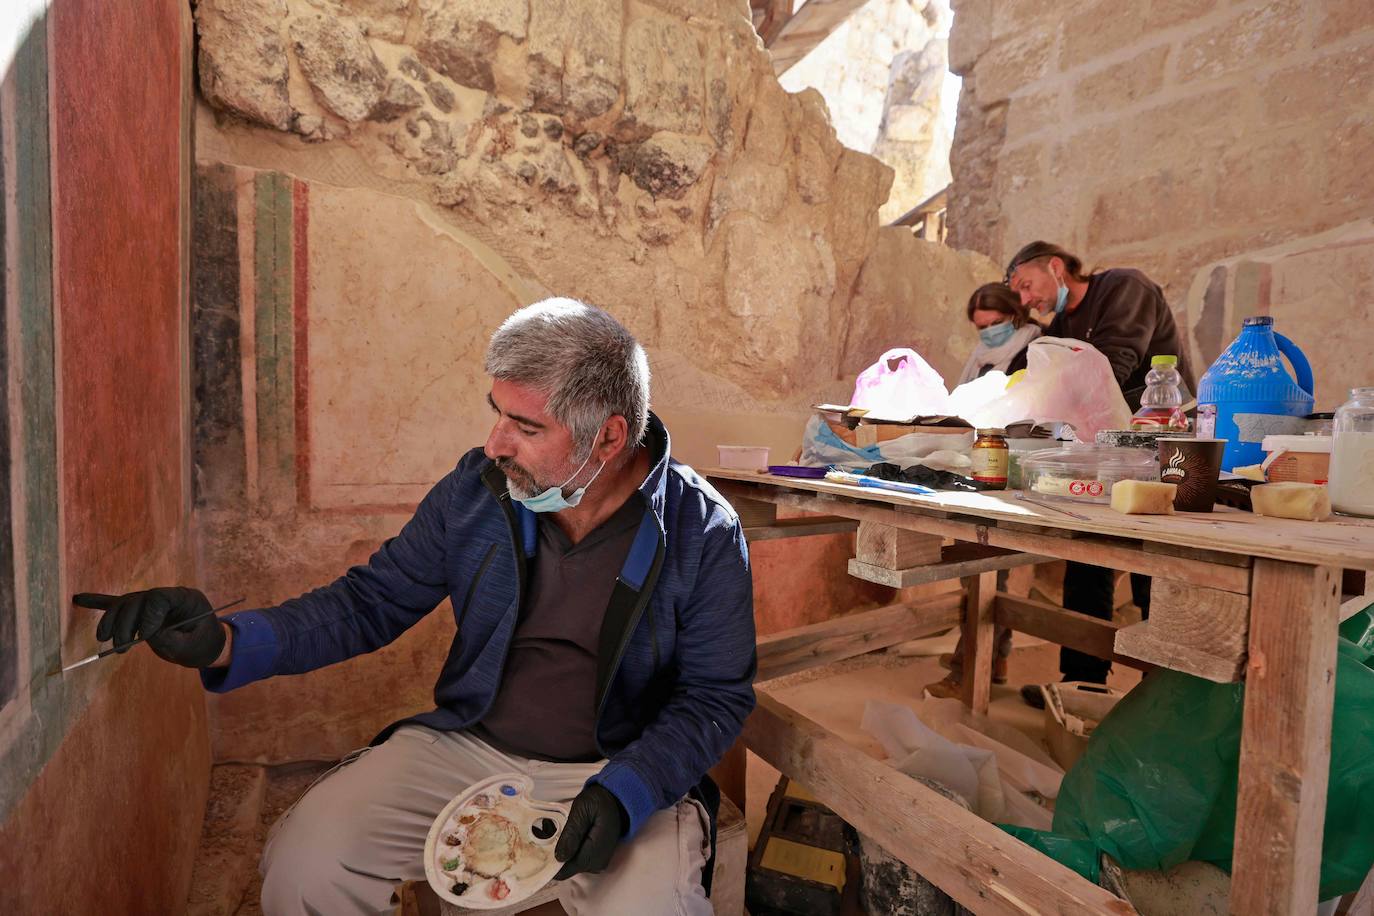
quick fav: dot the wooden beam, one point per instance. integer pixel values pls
(1285, 744)
(855, 634)
(980, 596)
(1147, 642)
(968, 858)
(1063, 627)
(806, 526)
(895, 548)
(959, 560)
(1117, 553)
(808, 26)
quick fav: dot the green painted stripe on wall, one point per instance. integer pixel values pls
(47, 722)
(275, 336)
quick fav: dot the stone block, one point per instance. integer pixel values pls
(1305, 90)
(384, 19)
(664, 75)
(1165, 14)
(459, 38)
(1021, 168)
(1165, 202)
(1099, 29)
(1182, 129)
(1351, 149)
(1121, 84)
(1009, 18)
(242, 59)
(970, 35)
(1029, 113)
(666, 164)
(574, 48)
(1267, 180)
(400, 98)
(341, 66)
(1252, 37)
(1014, 63)
(1338, 19)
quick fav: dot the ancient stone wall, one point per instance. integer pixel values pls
(361, 229)
(882, 74)
(1168, 137)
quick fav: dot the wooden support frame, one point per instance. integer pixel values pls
(806, 526)
(956, 562)
(1061, 626)
(968, 858)
(980, 595)
(1117, 553)
(1285, 744)
(855, 634)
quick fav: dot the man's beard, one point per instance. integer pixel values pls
(520, 483)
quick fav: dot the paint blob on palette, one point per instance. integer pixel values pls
(492, 846)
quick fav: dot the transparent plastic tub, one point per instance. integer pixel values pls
(1085, 473)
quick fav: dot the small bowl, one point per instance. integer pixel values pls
(744, 457)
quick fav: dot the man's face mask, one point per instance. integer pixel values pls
(552, 499)
(995, 335)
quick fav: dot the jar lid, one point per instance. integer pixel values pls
(992, 431)
(1163, 360)
(1309, 443)
(1094, 459)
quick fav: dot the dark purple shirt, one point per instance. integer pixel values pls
(545, 707)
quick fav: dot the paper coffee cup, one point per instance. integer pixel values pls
(1195, 466)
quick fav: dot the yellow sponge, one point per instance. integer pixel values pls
(1143, 497)
(1308, 502)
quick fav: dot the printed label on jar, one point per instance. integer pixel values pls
(990, 465)
(1086, 488)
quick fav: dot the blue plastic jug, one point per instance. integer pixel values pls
(1246, 385)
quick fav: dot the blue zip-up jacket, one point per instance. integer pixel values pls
(676, 659)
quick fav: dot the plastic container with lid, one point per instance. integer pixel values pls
(1352, 456)
(1086, 473)
(1302, 459)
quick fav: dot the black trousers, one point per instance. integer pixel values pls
(1091, 590)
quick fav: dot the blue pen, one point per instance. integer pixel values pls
(876, 483)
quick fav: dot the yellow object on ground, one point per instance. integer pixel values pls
(1250, 472)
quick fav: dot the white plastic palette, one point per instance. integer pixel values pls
(493, 845)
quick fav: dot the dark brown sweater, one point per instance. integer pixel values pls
(1124, 315)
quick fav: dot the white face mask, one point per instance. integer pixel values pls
(553, 500)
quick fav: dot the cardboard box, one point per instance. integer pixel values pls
(1072, 711)
(854, 427)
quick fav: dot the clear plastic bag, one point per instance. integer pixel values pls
(1066, 381)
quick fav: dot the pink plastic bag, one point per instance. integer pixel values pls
(899, 386)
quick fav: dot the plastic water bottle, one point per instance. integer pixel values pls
(1161, 406)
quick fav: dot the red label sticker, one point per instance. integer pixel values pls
(1095, 488)
(1078, 488)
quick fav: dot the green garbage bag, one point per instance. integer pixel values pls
(1156, 785)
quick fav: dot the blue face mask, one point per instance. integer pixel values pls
(553, 500)
(995, 335)
(1062, 299)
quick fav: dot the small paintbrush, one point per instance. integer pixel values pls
(113, 649)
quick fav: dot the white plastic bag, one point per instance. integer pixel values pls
(918, 750)
(899, 386)
(1066, 381)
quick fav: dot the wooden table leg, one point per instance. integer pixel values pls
(1285, 747)
(980, 592)
(730, 773)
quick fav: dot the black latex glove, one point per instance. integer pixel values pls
(591, 834)
(158, 611)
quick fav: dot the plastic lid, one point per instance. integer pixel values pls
(1093, 459)
(1308, 443)
(992, 431)
(1163, 360)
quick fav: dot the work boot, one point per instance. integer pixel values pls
(999, 667)
(948, 689)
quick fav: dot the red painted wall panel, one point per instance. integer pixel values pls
(116, 158)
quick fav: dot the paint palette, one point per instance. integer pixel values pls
(492, 846)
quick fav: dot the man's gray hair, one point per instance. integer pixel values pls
(583, 359)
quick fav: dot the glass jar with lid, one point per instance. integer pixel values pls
(1351, 484)
(991, 458)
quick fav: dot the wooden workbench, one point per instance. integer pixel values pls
(1235, 596)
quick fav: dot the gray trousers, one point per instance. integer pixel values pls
(361, 829)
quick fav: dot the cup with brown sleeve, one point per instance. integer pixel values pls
(1195, 465)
